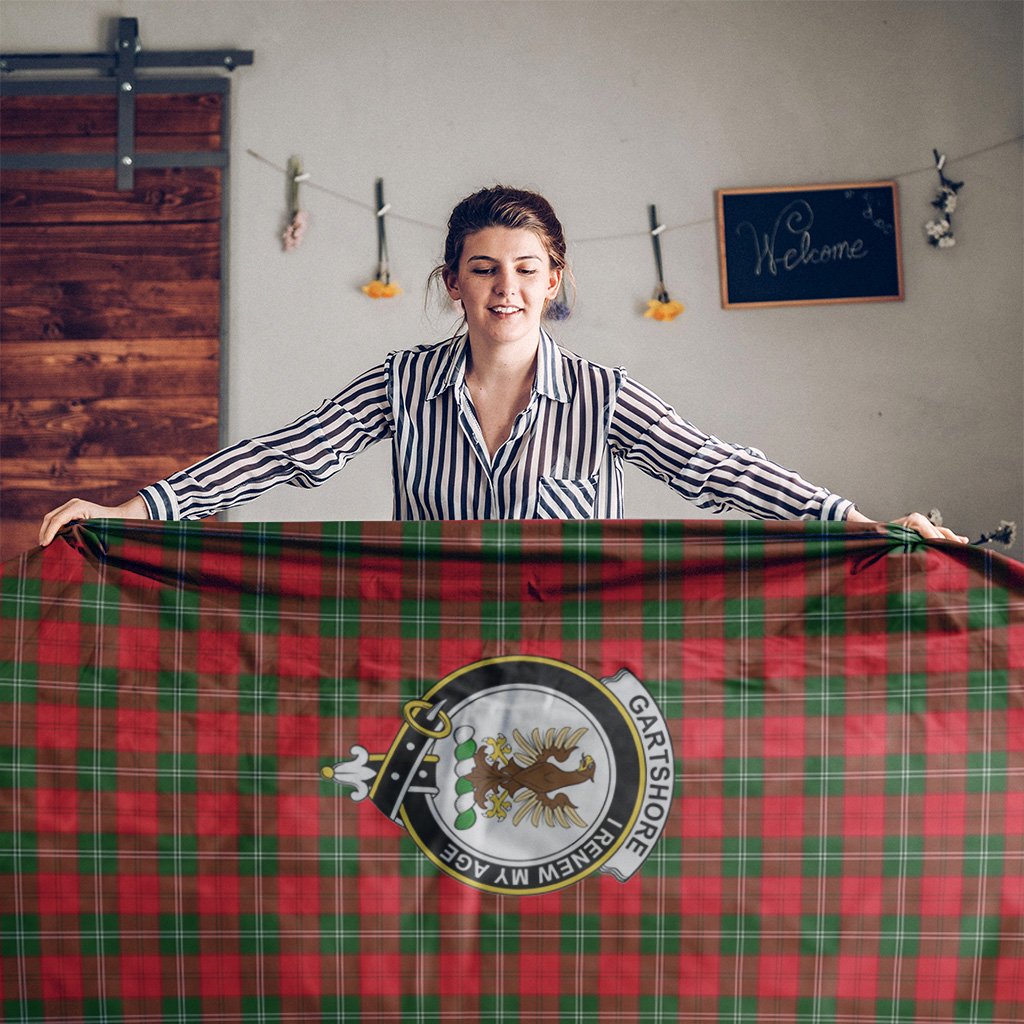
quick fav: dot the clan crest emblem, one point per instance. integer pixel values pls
(522, 774)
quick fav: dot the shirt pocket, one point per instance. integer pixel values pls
(564, 498)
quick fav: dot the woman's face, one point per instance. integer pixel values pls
(505, 278)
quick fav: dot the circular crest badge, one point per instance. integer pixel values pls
(523, 774)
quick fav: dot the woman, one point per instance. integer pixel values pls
(497, 422)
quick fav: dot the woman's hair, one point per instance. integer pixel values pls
(501, 207)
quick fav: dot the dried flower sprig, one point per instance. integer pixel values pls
(664, 311)
(661, 307)
(298, 218)
(558, 308)
(292, 235)
(381, 287)
(940, 231)
(1004, 533)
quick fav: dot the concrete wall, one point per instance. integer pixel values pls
(606, 107)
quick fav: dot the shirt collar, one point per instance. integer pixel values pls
(451, 369)
(551, 376)
(550, 379)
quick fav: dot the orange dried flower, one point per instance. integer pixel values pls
(664, 311)
(380, 290)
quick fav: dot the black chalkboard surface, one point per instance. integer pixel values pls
(812, 244)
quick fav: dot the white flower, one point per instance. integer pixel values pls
(946, 241)
(949, 201)
(937, 228)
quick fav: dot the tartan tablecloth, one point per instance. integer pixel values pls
(336, 772)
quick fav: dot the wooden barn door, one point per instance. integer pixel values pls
(111, 301)
(110, 310)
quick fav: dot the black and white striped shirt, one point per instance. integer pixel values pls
(562, 460)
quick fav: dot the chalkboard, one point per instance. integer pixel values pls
(812, 244)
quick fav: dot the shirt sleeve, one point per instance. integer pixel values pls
(304, 454)
(713, 474)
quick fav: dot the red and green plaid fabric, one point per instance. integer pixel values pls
(845, 841)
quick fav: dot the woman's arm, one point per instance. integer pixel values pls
(914, 521)
(714, 474)
(711, 473)
(305, 453)
(76, 508)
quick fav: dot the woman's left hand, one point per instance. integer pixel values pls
(915, 521)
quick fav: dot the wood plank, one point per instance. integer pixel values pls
(94, 309)
(82, 197)
(29, 488)
(83, 116)
(18, 536)
(179, 143)
(94, 472)
(111, 368)
(108, 252)
(62, 429)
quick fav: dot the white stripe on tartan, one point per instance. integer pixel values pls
(986, 794)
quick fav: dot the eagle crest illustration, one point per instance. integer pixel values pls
(498, 778)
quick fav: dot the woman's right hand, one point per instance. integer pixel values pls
(76, 508)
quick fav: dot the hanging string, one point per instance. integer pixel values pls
(623, 235)
(311, 184)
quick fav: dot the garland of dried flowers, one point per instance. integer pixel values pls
(381, 287)
(661, 307)
(940, 232)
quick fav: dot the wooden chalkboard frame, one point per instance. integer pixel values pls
(738, 294)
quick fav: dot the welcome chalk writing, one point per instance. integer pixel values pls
(797, 219)
(813, 244)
